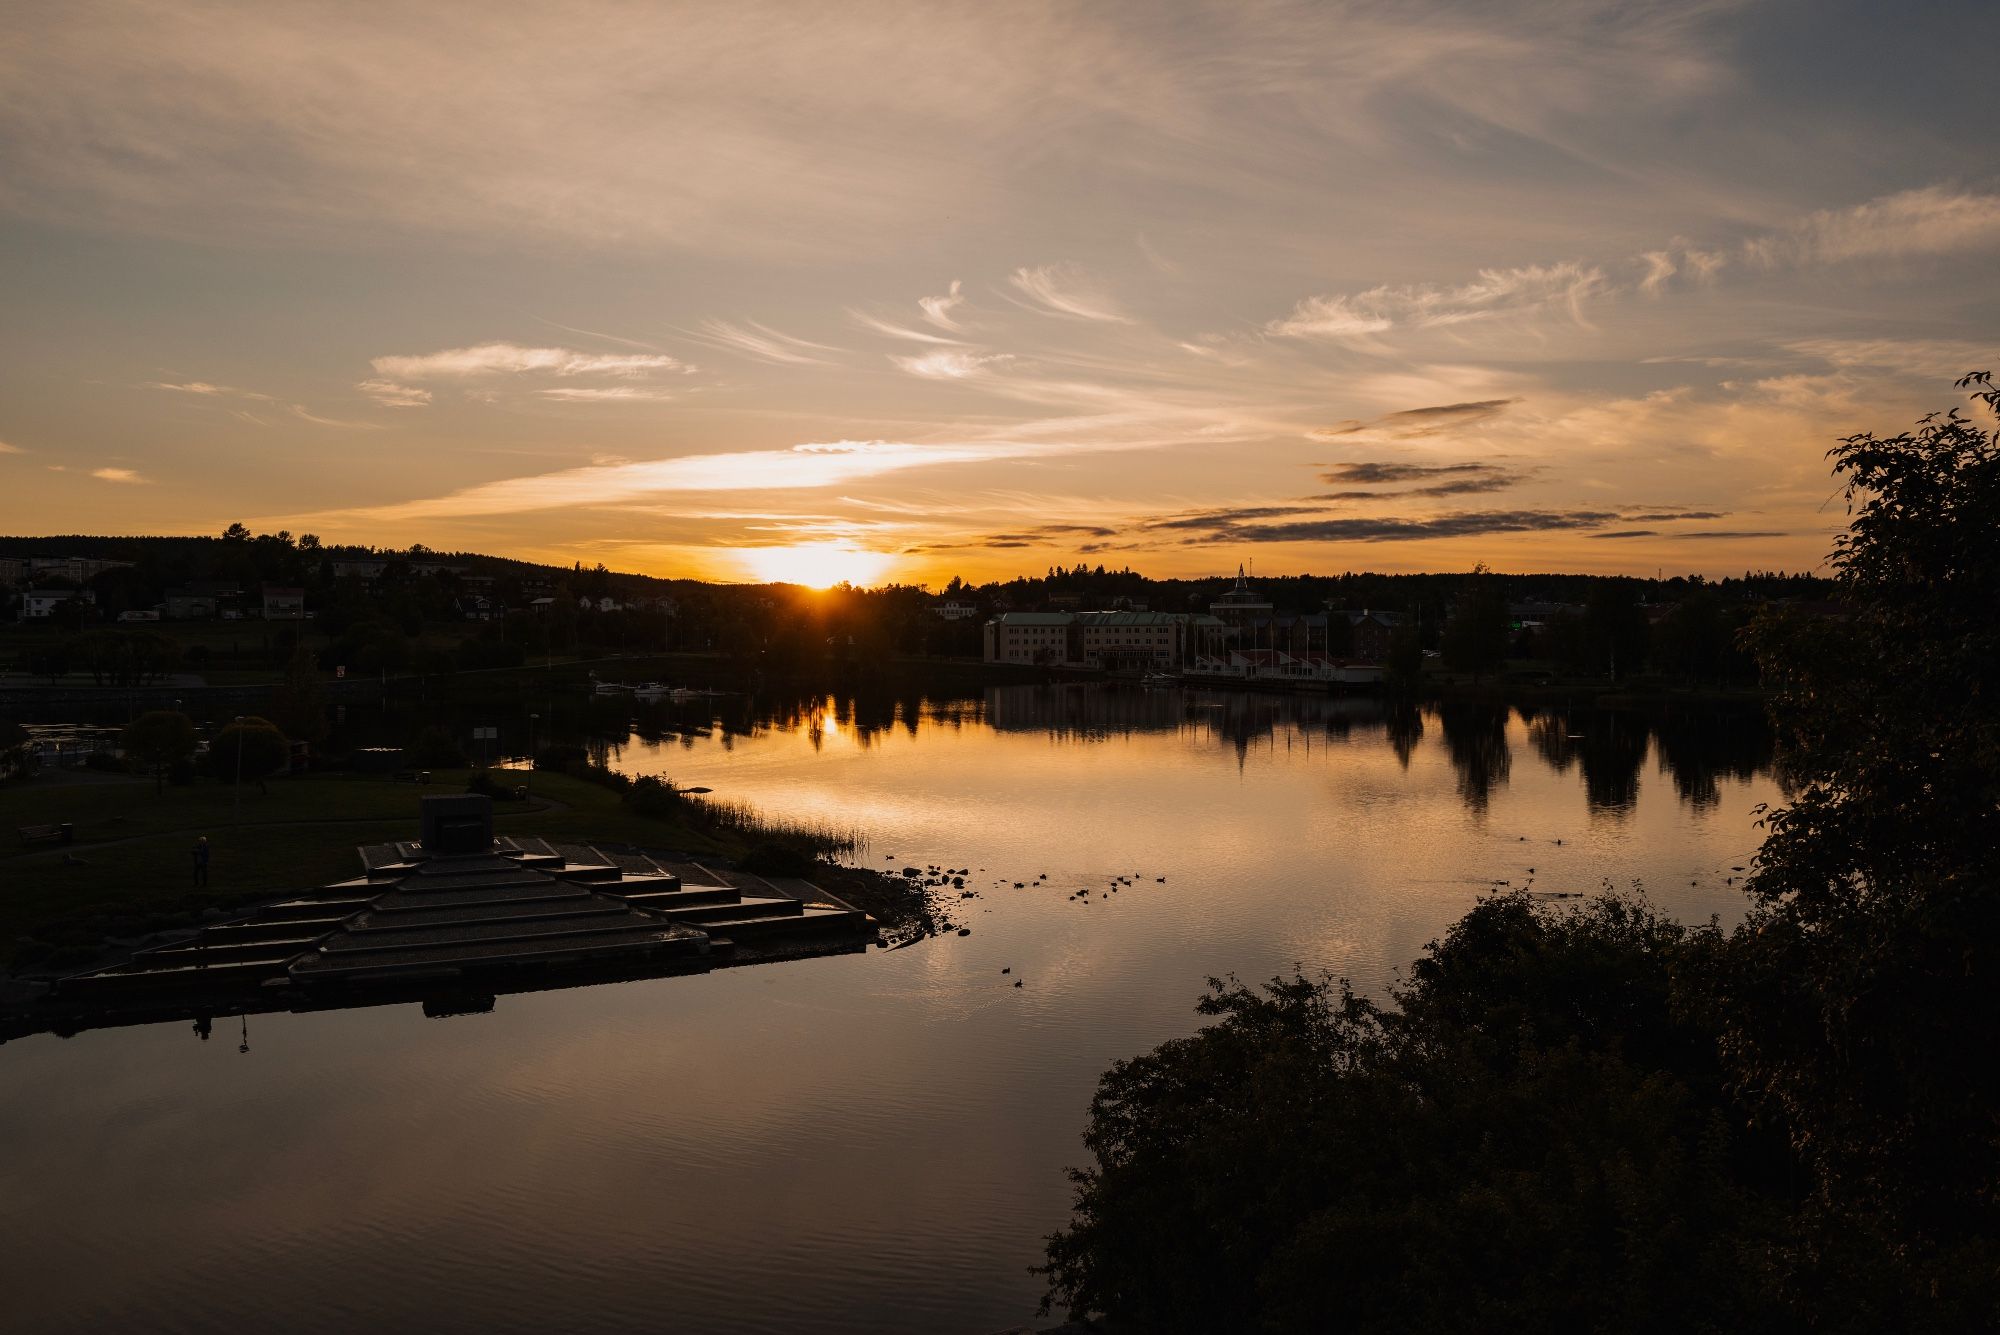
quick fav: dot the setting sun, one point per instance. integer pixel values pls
(817, 565)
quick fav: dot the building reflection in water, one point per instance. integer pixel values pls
(1696, 749)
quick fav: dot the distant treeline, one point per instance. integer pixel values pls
(421, 609)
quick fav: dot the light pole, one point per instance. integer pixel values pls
(236, 817)
(532, 720)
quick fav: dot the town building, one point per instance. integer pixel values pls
(1033, 638)
(1114, 641)
(954, 609)
(41, 604)
(284, 604)
(1369, 633)
(78, 569)
(1151, 641)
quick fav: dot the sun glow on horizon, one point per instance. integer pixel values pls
(817, 565)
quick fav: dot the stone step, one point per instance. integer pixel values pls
(740, 911)
(226, 952)
(444, 960)
(398, 918)
(687, 897)
(812, 922)
(173, 974)
(238, 933)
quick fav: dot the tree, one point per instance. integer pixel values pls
(1475, 640)
(248, 751)
(159, 739)
(1867, 979)
(1404, 672)
(16, 760)
(1602, 1120)
(1533, 1139)
(236, 533)
(1615, 632)
(300, 702)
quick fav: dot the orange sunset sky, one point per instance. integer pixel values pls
(901, 292)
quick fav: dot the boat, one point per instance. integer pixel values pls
(645, 690)
(1159, 679)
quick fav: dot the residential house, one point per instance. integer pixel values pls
(41, 604)
(284, 604)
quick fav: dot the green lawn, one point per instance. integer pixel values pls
(133, 867)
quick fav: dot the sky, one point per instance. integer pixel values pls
(902, 292)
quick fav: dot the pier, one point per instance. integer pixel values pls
(462, 910)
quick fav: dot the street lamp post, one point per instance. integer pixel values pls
(236, 817)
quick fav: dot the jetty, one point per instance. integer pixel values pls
(462, 911)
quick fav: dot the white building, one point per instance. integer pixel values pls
(40, 604)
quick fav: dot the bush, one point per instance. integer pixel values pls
(500, 789)
(1535, 1140)
(250, 751)
(649, 796)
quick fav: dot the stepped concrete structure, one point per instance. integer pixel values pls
(464, 912)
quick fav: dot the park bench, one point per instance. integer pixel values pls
(43, 834)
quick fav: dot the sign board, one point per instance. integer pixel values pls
(485, 734)
(340, 673)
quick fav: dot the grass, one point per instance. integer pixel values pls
(135, 873)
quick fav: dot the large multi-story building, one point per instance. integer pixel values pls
(1031, 638)
(80, 569)
(1153, 641)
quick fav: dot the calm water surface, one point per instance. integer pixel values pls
(861, 1143)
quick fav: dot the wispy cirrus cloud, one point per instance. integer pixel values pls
(6, 448)
(495, 359)
(1066, 290)
(763, 343)
(802, 467)
(124, 475)
(949, 364)
(605, 394)
(938, 309)
(875, 324)
(392, 395)
(202, 389)
(1930, 358)
(1934, 220)
(1563, 287)
(305, 414)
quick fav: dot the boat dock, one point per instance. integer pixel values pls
(462, 909)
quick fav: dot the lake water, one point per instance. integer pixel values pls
(859, 1143)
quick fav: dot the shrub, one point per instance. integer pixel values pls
(250, 751)
(649, 796)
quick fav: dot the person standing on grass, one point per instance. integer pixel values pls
(201, 861)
